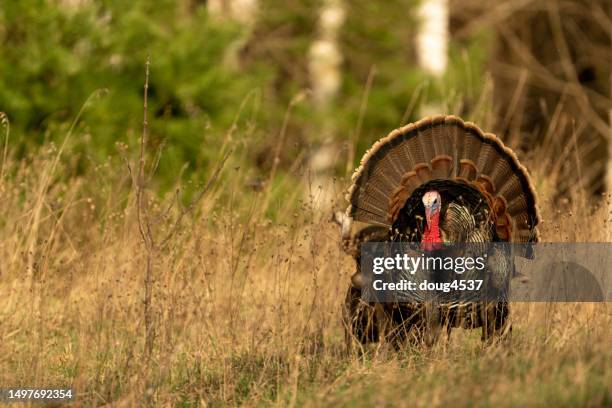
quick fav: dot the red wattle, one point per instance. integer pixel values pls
(431, 236)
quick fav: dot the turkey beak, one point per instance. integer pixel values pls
(430, 210)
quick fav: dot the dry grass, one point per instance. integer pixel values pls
(245, 310)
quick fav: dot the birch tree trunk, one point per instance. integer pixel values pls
(432, 38)
(325, 76)
(325, 58)
(243, 11)
(432, 44)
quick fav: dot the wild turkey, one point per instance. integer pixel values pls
(434, 181)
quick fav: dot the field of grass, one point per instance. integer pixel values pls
(229, 307)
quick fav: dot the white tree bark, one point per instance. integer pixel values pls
(73, 4)
(432, 38)
(432, 45)
(325, 57)
(325, 76)
(243, 11)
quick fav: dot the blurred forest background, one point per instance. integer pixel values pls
(316, 81)
(109, 285)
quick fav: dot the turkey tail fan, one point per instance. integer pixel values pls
(444, 148)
